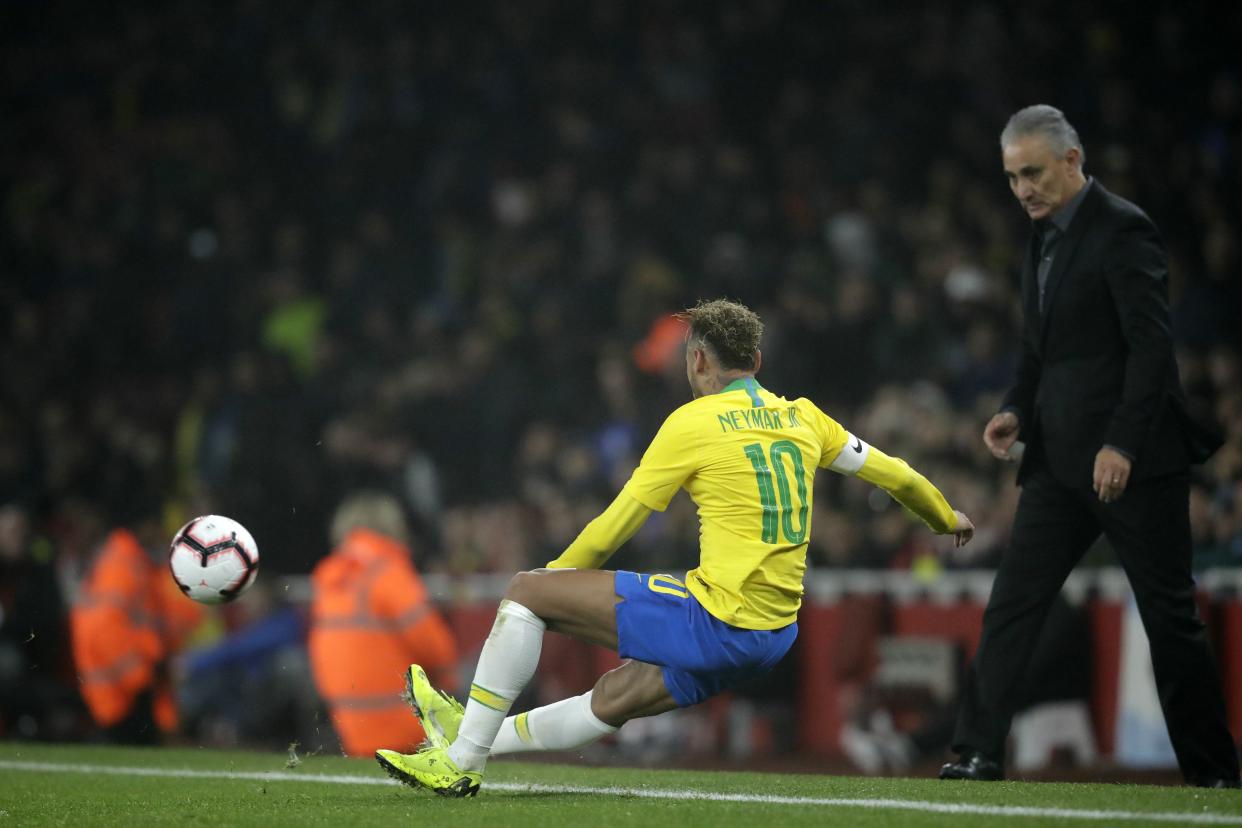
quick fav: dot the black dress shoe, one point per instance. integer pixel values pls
(1219, 783)
(974, 766)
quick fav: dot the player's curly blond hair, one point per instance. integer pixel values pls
(730, 329)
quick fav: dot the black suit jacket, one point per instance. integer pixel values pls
(1097, 364)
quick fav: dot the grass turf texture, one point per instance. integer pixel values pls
(35, 792)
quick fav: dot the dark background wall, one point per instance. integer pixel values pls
(256, 256)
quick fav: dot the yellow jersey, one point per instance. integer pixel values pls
(748, 458)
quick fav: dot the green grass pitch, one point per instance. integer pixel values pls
(87, 785)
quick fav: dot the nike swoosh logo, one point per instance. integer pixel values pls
(857, 445)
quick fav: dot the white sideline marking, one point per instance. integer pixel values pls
(658, 793)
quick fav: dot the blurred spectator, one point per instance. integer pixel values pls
(379, 247)
(38, 699)
(253, 686)
(128, 620)
(371, 617)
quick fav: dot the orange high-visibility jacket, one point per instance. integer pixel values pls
(370, 620)
(126, 621)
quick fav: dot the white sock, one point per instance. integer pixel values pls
(510, 656)
(564, 725)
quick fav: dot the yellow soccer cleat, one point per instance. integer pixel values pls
(429, 768)
(439, 713)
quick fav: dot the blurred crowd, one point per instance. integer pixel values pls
(258, 255)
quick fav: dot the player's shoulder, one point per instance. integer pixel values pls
(684, 415)
(689, 408)
(809, 407)
(805, 412)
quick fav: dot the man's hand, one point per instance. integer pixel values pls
(1000, 434)
(1112, 473)
(963, 531)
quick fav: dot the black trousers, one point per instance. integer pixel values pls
(1149, 527)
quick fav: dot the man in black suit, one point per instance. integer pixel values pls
(1099, 408)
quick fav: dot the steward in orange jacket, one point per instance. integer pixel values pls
(370, 619)
(128, 619)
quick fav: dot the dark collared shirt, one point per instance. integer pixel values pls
(1051, 230)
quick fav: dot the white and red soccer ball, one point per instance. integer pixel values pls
(213, 559)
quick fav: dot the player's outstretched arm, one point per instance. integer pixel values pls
(604, 535)
(913, 491)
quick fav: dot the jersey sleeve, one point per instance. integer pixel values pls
(666, 465)
(909, 488)
(602, 536)
(846, 453)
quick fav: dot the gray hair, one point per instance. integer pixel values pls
(1045, 120)
(372, 510)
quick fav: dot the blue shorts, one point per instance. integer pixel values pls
(660, 622)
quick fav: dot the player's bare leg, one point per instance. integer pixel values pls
(579, 603)
(631, 691)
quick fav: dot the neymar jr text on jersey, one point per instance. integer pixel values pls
(740, 418)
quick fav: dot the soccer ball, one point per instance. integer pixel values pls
(213, 559)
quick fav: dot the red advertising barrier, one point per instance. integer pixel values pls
(836, 656)
(960, 622)
(1105, 618)
(1229, 651)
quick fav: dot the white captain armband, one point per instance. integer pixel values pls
(852, 455)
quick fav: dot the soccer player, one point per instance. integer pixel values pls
(747, 457)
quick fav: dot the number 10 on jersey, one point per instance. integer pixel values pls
(772, 519)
